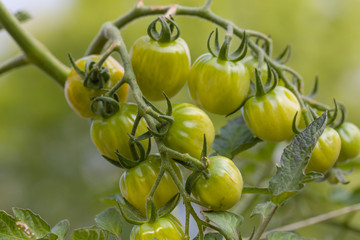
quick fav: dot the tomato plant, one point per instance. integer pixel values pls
(186, 133)
(164, 228)
(136, 183)
(79, 97)
(222, 188)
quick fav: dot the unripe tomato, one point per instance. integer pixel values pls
(160, 67)
(326, 152)
(270, 116)
(350, 141)
(224, 186)
(218, 86)
(166, 228)
(186, 134)
(111, 134)
(136, 183)
(78, 96)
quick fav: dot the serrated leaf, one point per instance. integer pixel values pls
(262, 209)
(227, 221)
(290, 177)
(61, 229)
(210, 236)
(37, 226)
(89, 233)
(109, 220)
(234, 138)
(10, 230)
(285, 236)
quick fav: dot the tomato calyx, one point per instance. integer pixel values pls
(105, 106)
(222, 52)
(262, 89)
(168, 27)
(284, 56)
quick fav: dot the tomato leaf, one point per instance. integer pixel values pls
(290, 177)
(61, 229)
(262, 209)
(227, 221)
(11, 229)
(234, 138)
(109, 220)
(36, 225)
(284, 236)
(89, 233)
(210, 236)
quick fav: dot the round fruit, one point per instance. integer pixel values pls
(111, 134)
(186, 134)
(166, 228)
(79, 97)
(350, 141)
(160, 67)
(270, 116)
(136, 183)
(326, 152)
(223, 187)
(218, 86)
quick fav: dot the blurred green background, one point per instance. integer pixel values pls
(47, 160)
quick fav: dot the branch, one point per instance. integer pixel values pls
(263, 225)
(316, 219)
(35, 52)
(13, 63)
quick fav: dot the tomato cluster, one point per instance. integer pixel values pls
(219, 83)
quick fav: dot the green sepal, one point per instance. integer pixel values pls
(151, 210)
(140, 147)
(260, 90)
(294, 127)
(166, 32)
(169, 105)
(105, 107)
(241, 52)
(315, 88)
(152, 106)
(191, 180)
(126, 162)
(204, 148)
(285, 55)
(129, 212)
(169, 206)
(333, 117)
(186, 164)
(342, 116)
(113, 162)
(76, 68)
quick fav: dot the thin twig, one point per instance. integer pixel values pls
(316, 219)
(172, 10)
(13, 63)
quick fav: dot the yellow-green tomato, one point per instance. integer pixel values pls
(111, 134)
(218, 86)
(270, 116)
(79, 97)
(165, 228)
(186, 134)
(136, 183)
(223, 187)
(326, 152)
(350, 141)
(160, 67)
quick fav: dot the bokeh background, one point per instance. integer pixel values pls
(47, 160)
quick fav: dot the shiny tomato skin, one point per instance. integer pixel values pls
(165, 228)
(78, 96)
(350, 141)
(186, 134)
(111, 134)
(270, 116)
(218, 86)
(224, 186)
(326, 152)
(136, 183)
(160, 67)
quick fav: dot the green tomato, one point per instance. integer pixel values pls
(160, 67)
(136, 183)
(111, 134)
(326, 152)
(218, 86)
(186, 134)
(79, 97)
(166, 228)
(350, 141)
(270, 116)
(223, 187)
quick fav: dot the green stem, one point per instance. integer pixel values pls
(256, 190)
(35, 52)
(13, 63)
(264, 224)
